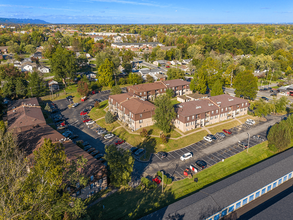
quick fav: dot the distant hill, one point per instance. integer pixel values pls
(21, 21)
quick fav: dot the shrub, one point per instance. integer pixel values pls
(144, 133)
(48, 108)
(97, 104)
(147, 183)
(163, 138)
(166, 180)
(109, 118)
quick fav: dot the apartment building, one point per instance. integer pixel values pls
(132, 110)
(27, 123)
(206, 111)
(150, 91)
(136, 46)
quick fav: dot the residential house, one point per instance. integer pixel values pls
(27, 67)
(132, 110)
(155, 73)
(28, 59)
(97, 38)
(88, 55)
(91, 76)
(186, 61)
(183, 98)
(136, 46)
(26, 121)
(44, 69)
(179, 86)
(117, 39)
(4, 49)
(37, 55)
(202, 112)
(53, 85)
(160, 62)
(17, 63)
(175, 62)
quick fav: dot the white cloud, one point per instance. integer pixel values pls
(25, 6)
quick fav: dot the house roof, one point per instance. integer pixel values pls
(137, 106)
(197, 96)
(25, 116)
(147, 87)
(146, 71)
(20, 102)
(195, 107)
(226, 100)
(175, 82)
(121, 97)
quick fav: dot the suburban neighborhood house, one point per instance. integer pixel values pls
(27, 123)
(206, 111)
(136, 46)
(132, 110)
(150, 91)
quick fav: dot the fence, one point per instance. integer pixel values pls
(227, 210)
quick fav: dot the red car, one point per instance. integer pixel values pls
(86, 120)
(157, 180)
(227, 131)
(167, 66)
(62, 124)
(83, 98)
(119, 142)
(83, 113)
(93, 92)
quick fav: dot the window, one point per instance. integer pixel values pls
(211, 117)
(212, 112)
(226, 109)
(140, 121)
(246, 103)
(161, 90)
(164, 89)
(187, 124)
(187, 118)
(216, 116)
(242, 104)
(221, 115)
(241, 109)
(217, 111)
(144, 93)
(244, 109)
(140, 115)
(192, 116)
(140, 93)
(222, 110)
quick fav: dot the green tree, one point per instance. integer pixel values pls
(245, 83)
(120, 163)
(164, 112)
(30, 48)
(109, 118)
(170, 93)
(127, 67)
(20, 87)
(105, 73)
(47, 107)
(116, 90)
(217, 88)
(36, 86)
(202, 83)
(134, 78)
(63, 64)
(281, 104)
(82, 88)
(174, 73)
(149, 79)
(279, 136)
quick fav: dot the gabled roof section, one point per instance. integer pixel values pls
(175, 82)
(121, 97)
(226, 100)
(195, 107)
(137, 106)
(147, 87)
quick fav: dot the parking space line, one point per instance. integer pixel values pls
(179, 174)
(177, 153)
(158, 157)
(171, 155)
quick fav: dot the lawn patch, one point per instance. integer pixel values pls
(109, 127)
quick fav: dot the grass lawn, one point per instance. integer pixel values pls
(154, 130)
(220, 127)
(190, 131)
(245, 117)
(131, 203)
(96, 113)
(174, 101)
(109, 127)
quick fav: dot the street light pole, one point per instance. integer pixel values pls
(162, 181)
(248, 141)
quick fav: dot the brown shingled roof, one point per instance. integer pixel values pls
(227, 100)
(25, 116)
(175, 82)
(148, 86)
(121, 97)
(20, 102)
(136, 106)
(196, 107)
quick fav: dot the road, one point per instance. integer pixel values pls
(211, 153)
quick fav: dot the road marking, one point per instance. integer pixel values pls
(179, 174)
(171, 155)
(158, 157)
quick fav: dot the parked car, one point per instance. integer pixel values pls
(83, 98)
(108, 136)
(227, 131)
(90, 150)
(86, 120)
(69, 97)
(162, 154)
(273, 94)
(87, 147)
(157, 180)
(221, 134)
(98, 156)
(139, 151)
(95, 152)
(250, 122)
(75, 105)
(201, 164)
(265, 98)
(85, 143)
(67, 133)
(213, 137)
(193, 168)
(72, 136)
(257, 137)
(208, 139)
(83, 113)
(242, 144)
(119, 142)
(102, 160)
(90, 122)
(133, 149)
(102, 131)
(186, 156)
(167, 66)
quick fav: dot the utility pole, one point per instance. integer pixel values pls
(162, 181)
(248, 141)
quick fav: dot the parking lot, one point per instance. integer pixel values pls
(206, 151)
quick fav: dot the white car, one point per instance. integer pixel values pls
(208, 139)
(75, 105)
(108, 136)
(186, 156)
(250, 122)
(102, 131)
(90, 122)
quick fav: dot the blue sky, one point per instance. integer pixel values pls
(150, 11)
